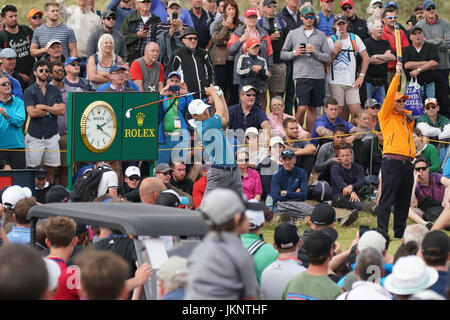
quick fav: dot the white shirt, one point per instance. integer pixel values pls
(344, 64)
(276, 276)
(364, 290)
(82, 23)
(109, 180)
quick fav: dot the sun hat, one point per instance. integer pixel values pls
(410, 275)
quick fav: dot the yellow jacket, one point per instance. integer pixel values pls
(396, 128)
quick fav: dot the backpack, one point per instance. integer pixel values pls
(85, 188)
(320, 190)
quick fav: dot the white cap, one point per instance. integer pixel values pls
(251, 130)
(52, 41)
(197, 106)
(182, 199)
(275, 140)
(372, 239)
(372, 2)
(255, 217)
(431, 100)
(14, 194)
(54, 271)
(132, 171)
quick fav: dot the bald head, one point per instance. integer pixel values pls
(150, 189)
(151, 53)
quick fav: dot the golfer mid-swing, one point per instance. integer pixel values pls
(223, 172)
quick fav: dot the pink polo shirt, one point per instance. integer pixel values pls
(252, 184)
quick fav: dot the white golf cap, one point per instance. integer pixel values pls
(255, 217)
(132, 171)
(14, 194)
(251, 130)
(197, 106)
(275, 140)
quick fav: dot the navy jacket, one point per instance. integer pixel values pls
(289, 181)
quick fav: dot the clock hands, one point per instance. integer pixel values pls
(101, 129)
(101, 126)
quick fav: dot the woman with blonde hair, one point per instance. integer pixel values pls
(100, 63)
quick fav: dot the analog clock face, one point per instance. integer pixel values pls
(98, 126)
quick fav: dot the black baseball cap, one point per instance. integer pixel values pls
(435, 244)
(318, 243)
(57, 193)
(40, 172)
(323, 214)
(286, 235)
(288, 153)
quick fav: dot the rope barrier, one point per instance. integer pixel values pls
(248, 144)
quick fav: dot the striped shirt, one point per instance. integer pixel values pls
(62, 32)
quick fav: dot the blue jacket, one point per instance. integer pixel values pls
(325, 25)
(289, 181)
(182, 110)
(11, 126)
(129, 84)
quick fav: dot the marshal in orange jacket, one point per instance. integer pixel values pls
(396, 127)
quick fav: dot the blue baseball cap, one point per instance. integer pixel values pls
(391, 4)
(69, 60)
(288, 153)
(427, 3)
(174, 73)
(117, 67)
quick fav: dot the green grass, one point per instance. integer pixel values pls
(406, 7)
(346, 234)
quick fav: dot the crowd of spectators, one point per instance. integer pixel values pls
(324, 75)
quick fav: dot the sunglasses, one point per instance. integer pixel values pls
(431, 8)
(377, 7)
(309, 17)
(37, 16)
(43, 70)
(392, 18)
(166, 173)
(272, 5)
(145, 1)
(58, 71)
(135, 178)
(347, 8)
(420, 168)
(6, 83)
(375, 107)
(401, 101)
(74, 64)
(430, 106)
(110, 18)
(250, 95)
(244, 160)
(191, 38)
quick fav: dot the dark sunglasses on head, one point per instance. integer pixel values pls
(37, 16)
(6, 83)
(420, 168)
(43, 70)
(347, 8)
(431, 8)
(430, 106)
